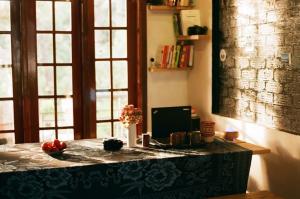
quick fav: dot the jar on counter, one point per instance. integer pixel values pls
(195, 137)
(145, 140)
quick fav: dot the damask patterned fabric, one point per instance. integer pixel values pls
(85, 171)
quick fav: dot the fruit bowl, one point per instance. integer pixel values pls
(55, 148)
(54, 153)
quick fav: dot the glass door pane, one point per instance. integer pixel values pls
(119, 13)
(44, 15)
(5, 16)
(111, 65)
(7, 115)
(6, 84)
(7, 124)
(63, 16)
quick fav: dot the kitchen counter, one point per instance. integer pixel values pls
(85, 170)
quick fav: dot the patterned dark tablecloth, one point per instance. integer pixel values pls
(85, 171)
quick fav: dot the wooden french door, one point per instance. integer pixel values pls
(111, 35)
(57, 62)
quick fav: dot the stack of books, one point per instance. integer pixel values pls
(175, 56)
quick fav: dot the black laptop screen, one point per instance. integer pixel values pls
(166, 120)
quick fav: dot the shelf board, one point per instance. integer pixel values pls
(192, 37)
(166, 8)
(158, 69)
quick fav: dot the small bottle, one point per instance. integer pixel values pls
(146, 140)
(152, 61)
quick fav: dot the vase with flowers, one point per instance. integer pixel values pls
(130, 117)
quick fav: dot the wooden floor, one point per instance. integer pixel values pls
(253, 195)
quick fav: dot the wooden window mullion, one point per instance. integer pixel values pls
(77, 69)
(29, 60)
(88, 74)
(111, 68)
(17, 70)
(54, 67)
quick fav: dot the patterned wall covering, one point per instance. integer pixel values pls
(257, 81)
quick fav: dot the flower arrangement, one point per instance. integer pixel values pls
(131, 115)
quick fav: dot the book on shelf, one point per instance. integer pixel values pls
(171, 3)
(178, 2)
(183, 55)
(177, 24)
(191, 56)
(165, 56)
(170, 57)
(174, 57)
(177, 57)
(189, 18)
(187, 56)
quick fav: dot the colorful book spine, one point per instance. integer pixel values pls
(182, 57)
(191, 57)
(164, 56)
(178, 49)
(171, 55)
(174, 57)
(187, 56)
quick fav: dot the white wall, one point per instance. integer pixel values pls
(278, 171)
(164, 88)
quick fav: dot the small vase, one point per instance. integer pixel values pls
(131, 136)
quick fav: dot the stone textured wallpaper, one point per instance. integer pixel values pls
(260, 78)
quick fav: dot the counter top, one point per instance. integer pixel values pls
(256, 149)
(22, 157)
(87, 171)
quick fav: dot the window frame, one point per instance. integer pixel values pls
(25, 87)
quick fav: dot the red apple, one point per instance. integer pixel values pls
(56, 143)
(54, 149)
(46, 146)
(63, 145)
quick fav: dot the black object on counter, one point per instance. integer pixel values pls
(112, 144)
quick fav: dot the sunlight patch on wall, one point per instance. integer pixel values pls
(260, 78)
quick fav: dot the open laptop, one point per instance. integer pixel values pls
(167, 120)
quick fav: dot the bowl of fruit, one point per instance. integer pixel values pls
(54, 148)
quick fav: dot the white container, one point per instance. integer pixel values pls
(131, 136)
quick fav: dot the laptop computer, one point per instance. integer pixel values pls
(167, 120)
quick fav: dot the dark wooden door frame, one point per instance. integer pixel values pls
(215, 56)
(88, 75)
(17, 70)
(29, 83)
(142, 62)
